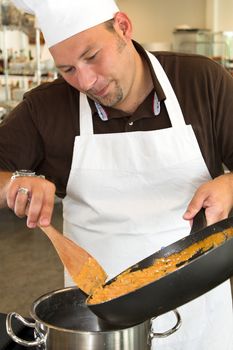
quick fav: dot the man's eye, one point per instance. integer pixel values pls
(91, 57)
(68, 70)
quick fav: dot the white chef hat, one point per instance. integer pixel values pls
(59, 20)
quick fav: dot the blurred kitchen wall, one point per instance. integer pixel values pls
(219, 15)
(155, 20)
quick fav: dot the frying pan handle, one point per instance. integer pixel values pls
(199, 221)
(169, 331)
(13, 336)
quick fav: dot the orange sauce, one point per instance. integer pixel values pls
(129, 280)
(90, 277)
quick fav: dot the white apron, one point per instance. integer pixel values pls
(125, 199)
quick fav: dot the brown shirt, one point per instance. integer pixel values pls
(39, 133)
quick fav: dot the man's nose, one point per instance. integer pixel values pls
(86, 78)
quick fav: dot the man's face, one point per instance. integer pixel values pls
(98, 62)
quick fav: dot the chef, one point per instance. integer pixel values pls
(134, 144)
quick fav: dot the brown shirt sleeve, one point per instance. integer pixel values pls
(39, 133)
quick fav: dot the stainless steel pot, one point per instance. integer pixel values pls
(64, 322)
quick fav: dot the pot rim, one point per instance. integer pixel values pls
(51, 326)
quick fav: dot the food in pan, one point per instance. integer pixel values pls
(90, 276)
(129, 280)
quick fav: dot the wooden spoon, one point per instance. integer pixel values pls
(85, 271)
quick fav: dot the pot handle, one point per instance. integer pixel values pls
(169, 331)
(16, 339)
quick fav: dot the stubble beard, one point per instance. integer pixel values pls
(111, 99)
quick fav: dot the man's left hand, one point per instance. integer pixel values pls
(215, 196)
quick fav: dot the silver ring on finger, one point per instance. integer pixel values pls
(24, 190)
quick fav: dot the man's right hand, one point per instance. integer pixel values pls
(31, 196)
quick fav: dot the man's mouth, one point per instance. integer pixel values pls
(99, 93)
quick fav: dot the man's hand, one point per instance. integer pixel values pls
(31, 196)
(216, 196)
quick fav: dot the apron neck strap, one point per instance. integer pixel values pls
(171, 102)
(85, 116)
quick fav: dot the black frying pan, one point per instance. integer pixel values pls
(188, 282)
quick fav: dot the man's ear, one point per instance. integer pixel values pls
(123, 25)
